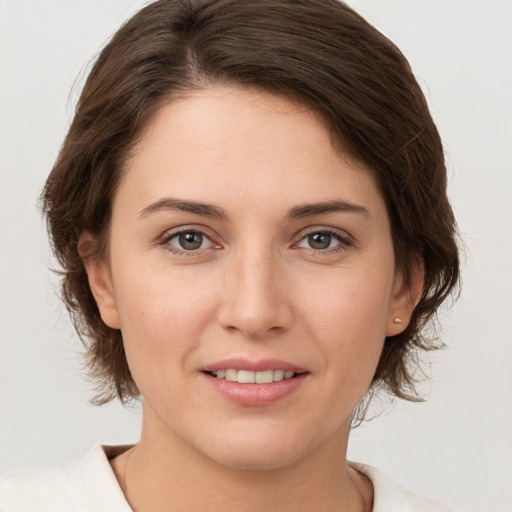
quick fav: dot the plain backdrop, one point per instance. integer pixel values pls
(456, 447)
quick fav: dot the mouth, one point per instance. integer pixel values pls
(256, 382)
(253, 377)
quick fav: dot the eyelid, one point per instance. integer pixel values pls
(323, 229)
(168, 235)
(345, 239)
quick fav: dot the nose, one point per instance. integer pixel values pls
(255, 296)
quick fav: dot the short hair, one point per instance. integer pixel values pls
(319, 53)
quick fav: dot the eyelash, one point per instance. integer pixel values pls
(343, 239)
(165, 242)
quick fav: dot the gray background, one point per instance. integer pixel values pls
(457, 447)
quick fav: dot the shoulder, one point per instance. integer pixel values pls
(42, 489)
(85, 485)
(389, 495)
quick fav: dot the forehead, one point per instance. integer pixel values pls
(227, 142)
(196, 117)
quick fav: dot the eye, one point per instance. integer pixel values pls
(189, 240)
(324, 240)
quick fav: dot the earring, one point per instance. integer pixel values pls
(397, 320)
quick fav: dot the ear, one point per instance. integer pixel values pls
(406, 295)
(100, 280)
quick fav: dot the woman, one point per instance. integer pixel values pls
(250, 211)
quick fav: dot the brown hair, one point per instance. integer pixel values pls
(317, 52)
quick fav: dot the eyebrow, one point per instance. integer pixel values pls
(308, 210)
(168, 203)
(209, 210)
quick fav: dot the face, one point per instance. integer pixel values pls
(252, 275)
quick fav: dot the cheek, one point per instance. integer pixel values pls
(162, 314)
(348, 320)
(349, 303)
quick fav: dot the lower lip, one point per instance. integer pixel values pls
(256, 395)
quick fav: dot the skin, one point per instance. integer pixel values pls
(255, 289)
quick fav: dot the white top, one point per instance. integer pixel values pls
(90, 485)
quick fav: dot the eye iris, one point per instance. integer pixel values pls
(190, 241)
(319, 240)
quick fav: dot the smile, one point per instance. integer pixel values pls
(250, 377)
(255, 388)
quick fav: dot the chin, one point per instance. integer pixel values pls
(258, 451)
(256, 460)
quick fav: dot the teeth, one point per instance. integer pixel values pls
(248, 377)
(278, 375)
(232, 375)
(265, 377)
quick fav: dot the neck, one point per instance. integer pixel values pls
(164, 473)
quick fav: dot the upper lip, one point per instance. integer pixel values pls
(259, 365)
